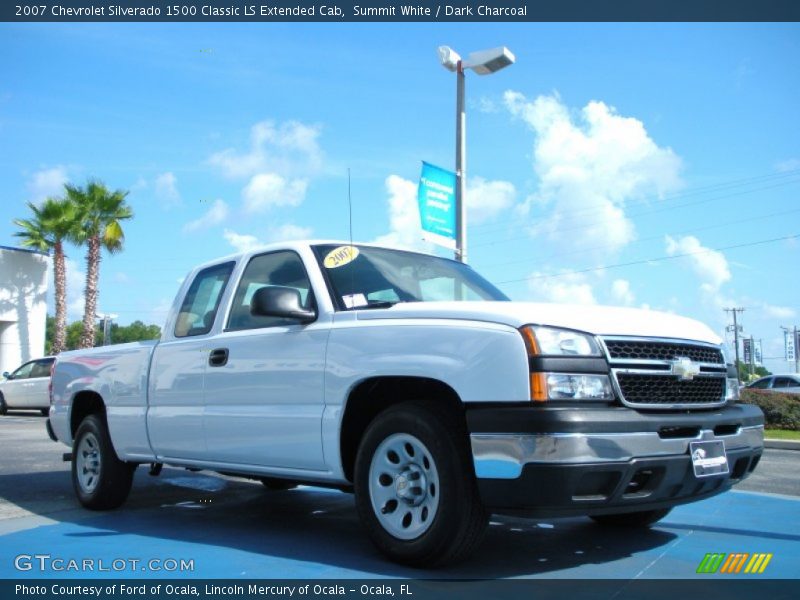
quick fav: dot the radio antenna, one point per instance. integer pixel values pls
(350, 206)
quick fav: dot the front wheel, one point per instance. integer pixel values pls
(3, 406)
(415, 487)
(101, 480)
(644, 518)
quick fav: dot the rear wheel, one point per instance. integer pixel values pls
(101, 480)
(415, 487)
(3, 406)
(644, 518)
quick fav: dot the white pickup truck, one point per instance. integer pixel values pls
(414, 382)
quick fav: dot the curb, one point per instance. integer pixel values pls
(782, 444)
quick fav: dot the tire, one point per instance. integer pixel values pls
(644, 518)
(277, 485)
(45, 412)
(437, 523)
(100, 479)
(3, 406)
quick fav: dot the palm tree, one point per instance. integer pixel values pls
(101, 212)
(53, 223)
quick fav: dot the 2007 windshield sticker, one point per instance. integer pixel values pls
(339, 257)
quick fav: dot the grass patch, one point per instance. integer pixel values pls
(782, 434)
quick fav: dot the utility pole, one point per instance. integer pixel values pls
(752, 357)
(736, 336)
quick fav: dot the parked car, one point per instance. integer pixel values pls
(787, 384)
(27, 386)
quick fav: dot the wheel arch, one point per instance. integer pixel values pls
(85, 403)
(372, 396)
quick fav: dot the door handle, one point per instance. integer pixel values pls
(218, 357)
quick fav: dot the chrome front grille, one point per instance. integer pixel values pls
(659, 389)
(648, 350)
(651, 373)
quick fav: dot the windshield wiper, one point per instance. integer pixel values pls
(377, 304)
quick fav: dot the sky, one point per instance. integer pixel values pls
(647, 165)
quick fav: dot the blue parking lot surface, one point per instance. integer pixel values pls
(314, 533)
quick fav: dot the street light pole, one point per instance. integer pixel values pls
(461, 167)
(483, 62)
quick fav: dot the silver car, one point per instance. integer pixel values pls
(788, 384)
(27, 387)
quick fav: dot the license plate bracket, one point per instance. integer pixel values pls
(709, 458)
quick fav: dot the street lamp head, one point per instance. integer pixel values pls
(449, 58)
(485, 62)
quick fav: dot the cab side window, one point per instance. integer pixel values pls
(200, 305)
(284, 269)
(761, 384)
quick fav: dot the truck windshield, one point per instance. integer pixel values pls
(365, 277)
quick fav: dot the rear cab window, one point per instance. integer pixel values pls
(201, 303)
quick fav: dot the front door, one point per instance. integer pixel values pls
(264, 401)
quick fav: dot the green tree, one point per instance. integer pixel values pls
(52, 224)
(101, 214)
(744, 372)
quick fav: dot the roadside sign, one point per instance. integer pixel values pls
(757, 352)
(747, 348)
(790, 346)
(437, 205)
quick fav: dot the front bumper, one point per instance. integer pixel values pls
(578, 461)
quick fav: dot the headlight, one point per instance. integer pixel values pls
(563, 386)
(549, 341)
(552, 348)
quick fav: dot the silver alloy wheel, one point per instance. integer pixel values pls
(404, 486)
(88, 462)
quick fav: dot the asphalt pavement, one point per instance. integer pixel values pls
(235, 528)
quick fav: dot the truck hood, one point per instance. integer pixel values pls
(598, 320)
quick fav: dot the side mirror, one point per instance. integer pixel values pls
(280, 301)
(6, 374)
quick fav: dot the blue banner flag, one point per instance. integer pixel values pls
(437, 205)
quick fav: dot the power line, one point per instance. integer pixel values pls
(651, 260)
(688, 194)
(645, 213)
(650, 238)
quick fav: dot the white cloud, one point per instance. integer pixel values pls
(287, 232)
(793, 164)
(267, 190)
(709, 265)
(167, 190)
(487, 199)
(241, 242)
(47, 182)
(778, 312)
(590, 164)
(569, 288)
(405, 230)
(621, 292)
(214, 216)
(289, 148)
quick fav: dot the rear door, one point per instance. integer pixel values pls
(175, 412)
(264, 402)
(38, 393)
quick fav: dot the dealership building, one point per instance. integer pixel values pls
(23, 305)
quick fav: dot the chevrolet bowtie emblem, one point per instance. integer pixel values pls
(684, 368)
